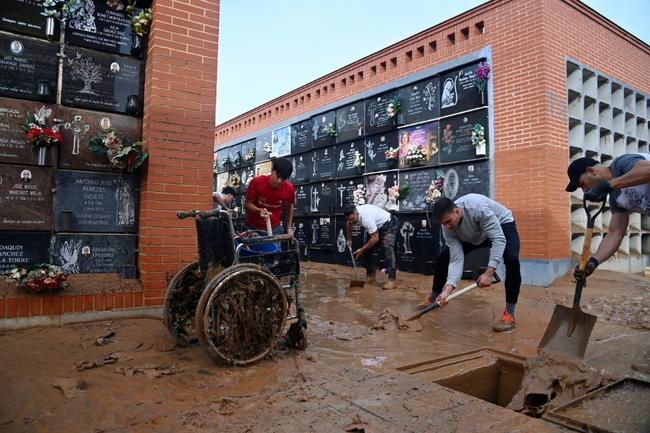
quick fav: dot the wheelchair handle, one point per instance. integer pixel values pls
(202, 214)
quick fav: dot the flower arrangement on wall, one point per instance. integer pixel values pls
(39, 279)
(434, 192)
(41, 133)
(359, 195)
(391, 154)
(415, 155)
(482, 75)
(120, 155)
(394, 107)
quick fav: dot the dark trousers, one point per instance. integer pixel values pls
(510, 259)
(386, 249)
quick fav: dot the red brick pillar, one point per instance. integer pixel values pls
(178, 130)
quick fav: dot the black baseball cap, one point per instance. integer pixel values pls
(576, 169)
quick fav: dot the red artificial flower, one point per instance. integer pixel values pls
(33, 133)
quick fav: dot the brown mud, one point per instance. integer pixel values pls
(346, 376)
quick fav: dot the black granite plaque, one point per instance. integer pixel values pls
(322, 197)
(28, 68)
(358, 240)
(301, 135)
(464, 137)
(350, 159)
(419, 182)
(302, 167)
(302, 232)
(103, 82)
(281, 142)
(323, 129)
(350, 122)
(346, 190)
(418, 145)
(419, 101)
(235, 156)
(25, 197)
(381, 189)
(246, 175)
(238, 206)
(376, 152)
(24, 16)
(302, 205)
(463, 179)
(459, 91)
(248, 152)
(23, 249)
(79, 126)
(263, 147)
(324, 164)
(222, 153)
(378, 117)
(95, 202)
(417, 244)
(322, 234)
(90, 254)
(100, 25)
(14, 148)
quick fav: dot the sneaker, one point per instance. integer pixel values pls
(507, 323)
(390, 285)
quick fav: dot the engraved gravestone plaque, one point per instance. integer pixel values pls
(420, 101)
(418, 145)
(248, 152)
(25, 197)
(322, 197)
(376, 148)
(23, 249)
(301, 136)
(350, 122)
(24, 16)
(221, 153)
(419, 182)
(28, 68)
(302, 167)
(89, 254)
(263, 147)
(324, 164)
(14, 147)
(417, 244)
(79, 126)
(235, 157)
(103, 82)
(302, 232)
(350, 159)
(303, 200)
(378, 116)
(358, 240)
(460, 180)
(323, 129)
(459, 90)
(378, 190)
(96, 202)
(464, 137)
(345, 190)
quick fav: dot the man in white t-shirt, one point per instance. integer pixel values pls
(224, 198)
(382, 234)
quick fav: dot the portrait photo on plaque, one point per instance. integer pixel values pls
(350, 122)
(381, 112)
(462, 89)
(420, 101)
(464, 137)
(281, 142)
(90, 254)
(418, 145)
(26, 197)
(30, 69)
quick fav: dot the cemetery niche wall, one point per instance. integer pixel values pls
(428, 138)
(62, 199)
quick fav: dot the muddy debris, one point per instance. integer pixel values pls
(149, 370)
(105, 339)
(111, 358)
(388, 320)
(71, 388)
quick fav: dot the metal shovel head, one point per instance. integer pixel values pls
(559, 337)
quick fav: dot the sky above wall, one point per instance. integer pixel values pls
(268, 48)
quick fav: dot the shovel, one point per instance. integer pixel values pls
(435, 305)
(355, 283)
(569, 329)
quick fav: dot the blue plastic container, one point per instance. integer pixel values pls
(253, 250)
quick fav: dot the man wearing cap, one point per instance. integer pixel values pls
(627, 181)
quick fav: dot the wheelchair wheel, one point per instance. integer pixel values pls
(181, 298)
(241, 315)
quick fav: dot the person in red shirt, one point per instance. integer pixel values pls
(267, 194)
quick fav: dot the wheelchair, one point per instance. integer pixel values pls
(237, 298)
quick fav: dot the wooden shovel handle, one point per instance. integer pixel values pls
(586, 249)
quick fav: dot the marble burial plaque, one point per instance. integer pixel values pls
(418, 145)
(95, 202)
(235, 157)
(378, 119)
(345, 190)
(350, 159)
(246, 174)
(100, 25)
(459, 91)
(323, 129)
(263, 168)
(464, 137)
(14, 147)
(322, 197)
(28, 68)
(90, 254)
(248, 152)
(420, 101)
(25, 197)
(263, 147)
(23, 249)
(302, 232)
(302, 167)
(419, 182)
(417, 244)
(79, 126)
(459, 180)
(350, 122)
(301, 135)
(358, 240)
(376, 147)
(323, 164)
(24, 16)
(103, 82)
(302, 206)
(379, 193)
(281, 142)
(322, 233)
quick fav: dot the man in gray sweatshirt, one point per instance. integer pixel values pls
(475, 221)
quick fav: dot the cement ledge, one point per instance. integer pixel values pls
(70, 318)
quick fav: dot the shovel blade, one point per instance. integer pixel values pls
(568, 331)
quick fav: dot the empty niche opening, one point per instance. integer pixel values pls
(420, 51)
(451, 38)
(465, 32)
(373, 70)
(393, 61)
(433, 46)
(409, 55)
(480, 27)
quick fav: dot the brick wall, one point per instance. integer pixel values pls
(180, 95)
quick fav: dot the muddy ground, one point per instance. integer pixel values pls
(346, 379)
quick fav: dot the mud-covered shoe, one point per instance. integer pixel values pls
(390, 285)
(507, 323)
(370, 279)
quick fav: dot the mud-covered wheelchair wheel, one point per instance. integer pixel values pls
(241, 314)
(181, 298)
